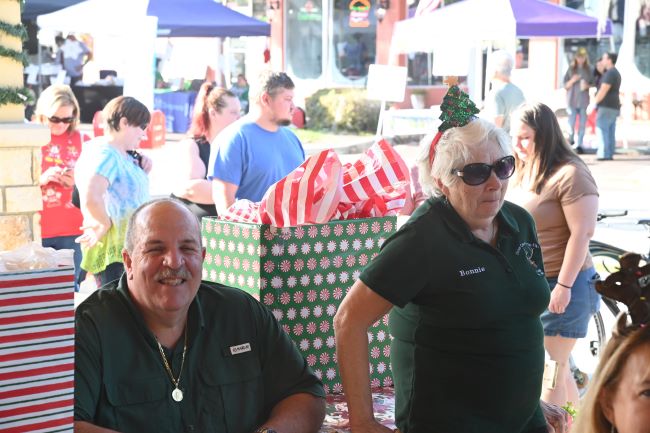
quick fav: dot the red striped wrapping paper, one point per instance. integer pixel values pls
(37, 350)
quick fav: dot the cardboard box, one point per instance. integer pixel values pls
(302, 274)
(37, 350)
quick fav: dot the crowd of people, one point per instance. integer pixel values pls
(480, 283)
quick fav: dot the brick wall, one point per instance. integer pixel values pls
(20, 195)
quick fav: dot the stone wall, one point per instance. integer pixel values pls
(20, 195)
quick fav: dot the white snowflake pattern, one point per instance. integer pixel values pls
(256, 234)
(337, 388)
(331, 373)
(292, 281)
(371, 337)
(311, 360)
(326, 389)
(236, 263)
(381, 336)
(231, 278)
(204, 274)
(324, 294)
(325, 231)
(292, 249)
(324, 262)
(330, 278)
(222, 276)
(231, 246)
(376, 227)
(218, 229)
(338, 262)
(263, 283)
(375, 383)
(286, 329)
(269, 234)
(374, 353)
(318, 311)
(381, 367)
(388, 382)
(285, 265)
(337, 293)
(278, 314)
(263, 250)
(305, 248)
(370, 243)
(351, 229)
(350, 260)
(344, 277)
(388, 226)
(299, 233)
(311, 295)
(304, 344)
(363, 228)
(222, 245)
(298, 265)
(344, 245)
(246, 232)
(256, 266)
(277, 249)
(226, 230)
(363, 259)
(311, 327)
(330, 341)
(318, 279)
(241, 247)
(213, 275)
(318, 343)
(331, 246)
(250, 249)
(331, 309)
(297, 329)
(318, 247)
(250, 282)
(311, 263)
(338, 229)
(356, 244)
(387, 351)
(213, 243)
(269, 266)
(318, 373)
(245, 264)
(304, 312)
(240, 280)
(276, 282)
(226, 262)
(355, 275)
(304, 280)
(208, 226)
(285, 233)
(217, 259)
(291, 313)
(298, 297)
(312, 232)
(325, 359)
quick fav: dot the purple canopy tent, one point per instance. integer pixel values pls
(539, 18)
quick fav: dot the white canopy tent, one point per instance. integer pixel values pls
(124, 39)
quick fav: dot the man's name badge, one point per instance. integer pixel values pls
(177, 394)
(240, 348)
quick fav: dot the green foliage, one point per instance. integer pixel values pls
(345, 110)
(17, 30)
(15, 95)
(571, 410)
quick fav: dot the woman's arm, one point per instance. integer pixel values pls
(96, 221)
(581, 219)
(192, 184)
(360, 309)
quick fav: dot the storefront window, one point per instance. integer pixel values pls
(353, 38)
(304, 38)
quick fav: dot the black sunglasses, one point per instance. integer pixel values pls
(478, 172)
(55, 119)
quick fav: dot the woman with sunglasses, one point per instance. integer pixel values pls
(215, 109)
(556, 187)
(58, 109)
(112, 182)
(463, 281)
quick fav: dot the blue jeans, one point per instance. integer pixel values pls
(68, 243)
(573, 113)
(606, 131)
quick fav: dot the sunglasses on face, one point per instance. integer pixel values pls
(478, 172)
(55, 119)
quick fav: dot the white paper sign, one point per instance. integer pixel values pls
(60, 78)
(386, 83)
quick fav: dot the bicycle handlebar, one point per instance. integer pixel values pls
(607, 214)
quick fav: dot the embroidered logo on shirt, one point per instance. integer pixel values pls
(466, 272)
(527, 249)
(241, 348)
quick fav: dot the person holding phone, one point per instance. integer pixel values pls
(112, 183)
(58, 109)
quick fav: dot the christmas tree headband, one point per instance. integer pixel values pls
(456, 110)
(631, 286)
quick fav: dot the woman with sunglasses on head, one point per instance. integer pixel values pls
(215, 109)
(112, 182)
(557, 188)
(58, 109)
(463, 281)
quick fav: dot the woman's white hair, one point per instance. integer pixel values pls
(455, 150)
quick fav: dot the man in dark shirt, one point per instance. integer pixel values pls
(609, 108)
(161, 351)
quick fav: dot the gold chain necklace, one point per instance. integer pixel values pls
(177, 394)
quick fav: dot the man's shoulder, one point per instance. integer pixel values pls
(229, 297)
(101, 302)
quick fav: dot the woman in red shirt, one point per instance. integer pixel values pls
(58, 109)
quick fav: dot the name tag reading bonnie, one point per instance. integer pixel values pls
(241, 348)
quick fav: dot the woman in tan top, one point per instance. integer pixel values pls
(556, 187)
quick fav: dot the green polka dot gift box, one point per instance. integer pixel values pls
(302, 274)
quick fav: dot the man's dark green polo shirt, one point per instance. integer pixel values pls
(239, 364)
(467, 354)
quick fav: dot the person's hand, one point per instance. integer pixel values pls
(146, 163)
(52, 174)
(575, 78)
(371, 427)
(67, 177)
(591, 108)
(557, 419)
(560, 297)
(93, 232)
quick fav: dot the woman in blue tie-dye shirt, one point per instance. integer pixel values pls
(112, 181)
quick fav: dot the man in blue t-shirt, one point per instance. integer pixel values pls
(255, 152)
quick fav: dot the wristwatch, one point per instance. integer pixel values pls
(265, 430)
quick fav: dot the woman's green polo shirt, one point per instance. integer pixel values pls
(239, 365)
(467, 352)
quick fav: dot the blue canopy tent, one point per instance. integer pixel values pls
(199, 18)
(34, 8)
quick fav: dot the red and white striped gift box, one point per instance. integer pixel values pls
(37, 350)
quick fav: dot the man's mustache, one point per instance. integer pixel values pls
(173, 273)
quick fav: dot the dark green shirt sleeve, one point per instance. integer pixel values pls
(87, 369)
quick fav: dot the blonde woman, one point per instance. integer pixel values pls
(577, 81)
(58, 109)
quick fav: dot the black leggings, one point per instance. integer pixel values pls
(112, 272)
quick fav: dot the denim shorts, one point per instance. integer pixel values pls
(585, 302)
